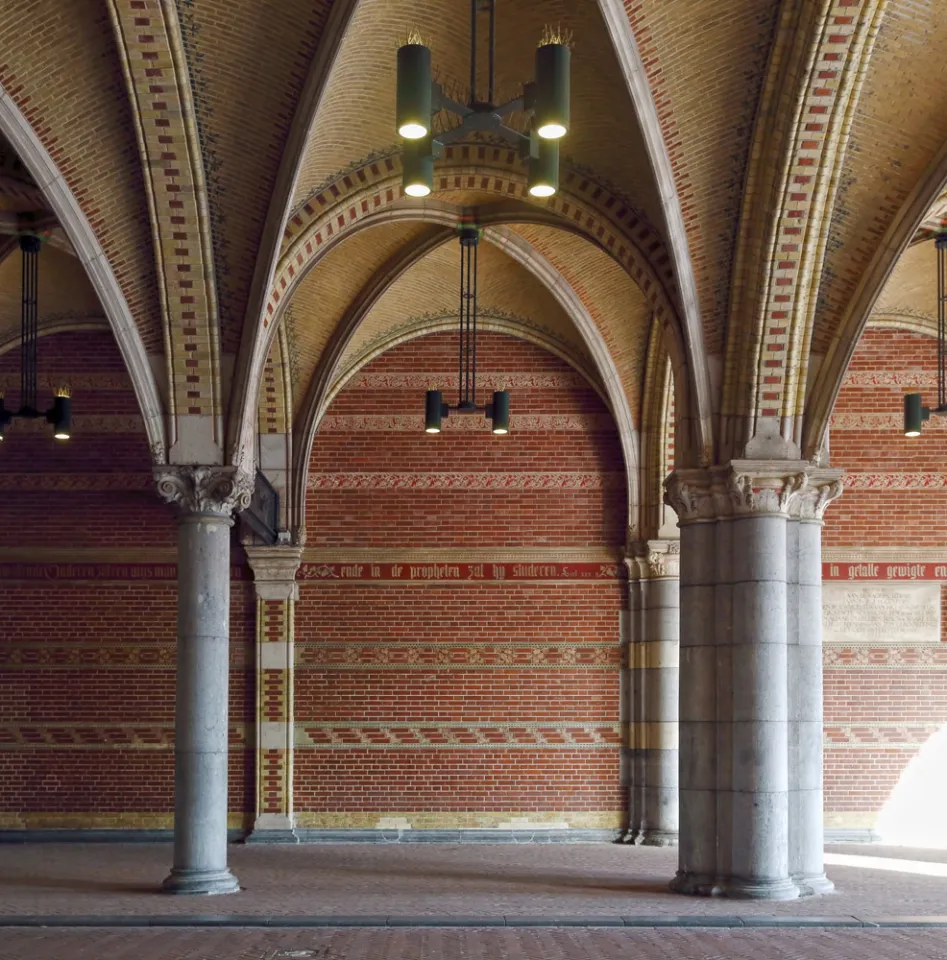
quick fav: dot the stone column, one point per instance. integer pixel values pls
(691, 495)
(750, 682)
(653, 567)
(274, 575)
(805, 693)
(206, 498)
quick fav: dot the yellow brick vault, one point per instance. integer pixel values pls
(754, 182)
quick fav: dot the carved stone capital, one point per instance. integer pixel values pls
(208, 491)
(824, 486)
(274, 571)
(653, 559)
(765, 486)
(690, 494)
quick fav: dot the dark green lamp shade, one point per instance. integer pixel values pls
(433, 409)
(414, 91)
(551, 110)
(417, 167)
(500, 411)
(61, 418)
(544, 169)
(914, 414)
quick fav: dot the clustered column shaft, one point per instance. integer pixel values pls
(653, 656)
(751, 668)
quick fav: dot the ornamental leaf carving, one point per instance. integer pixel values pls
(214, 491)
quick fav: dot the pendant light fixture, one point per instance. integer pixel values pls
(435, 409)
(915, 413)
(60, 413)
(546, 99)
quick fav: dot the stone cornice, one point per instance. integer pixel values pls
(214, 491)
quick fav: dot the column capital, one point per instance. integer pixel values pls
(789, 488)
(653, 559)
(214, 491)
(274, 571)
(690, 494)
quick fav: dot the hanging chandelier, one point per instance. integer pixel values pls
(435, 409)
(60, 413)
(419, 98)
(915, 413)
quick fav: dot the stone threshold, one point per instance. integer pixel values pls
(262, 920)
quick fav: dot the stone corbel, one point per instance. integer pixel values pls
(214, 491)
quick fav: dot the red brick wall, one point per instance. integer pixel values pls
(491, 692)
(88, 619)
(883, 702)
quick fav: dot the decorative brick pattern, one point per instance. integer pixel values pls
(457, 632)
(148, 37)
(708, 149)
(60, 68)
(824, 81)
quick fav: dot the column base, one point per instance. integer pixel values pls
(187, 880)
(814, 885)
(695, 884)
(655, 838)
(273, 828)
(739, 889)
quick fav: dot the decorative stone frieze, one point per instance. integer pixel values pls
(212, 491)
(789, 488)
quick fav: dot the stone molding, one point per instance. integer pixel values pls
(274, 571)
(788, 488)
(653, 559)
(214, 491)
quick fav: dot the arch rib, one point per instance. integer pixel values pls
(50, 180)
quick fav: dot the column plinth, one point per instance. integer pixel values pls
(206, 499)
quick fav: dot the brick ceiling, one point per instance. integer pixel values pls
(705, 68)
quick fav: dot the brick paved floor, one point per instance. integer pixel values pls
(543, 880)
(416, 944)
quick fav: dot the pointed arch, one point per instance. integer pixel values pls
(523, 253)
(16, 129)
(372, 193)
(887, 253)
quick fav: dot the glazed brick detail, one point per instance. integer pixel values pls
(469, 492)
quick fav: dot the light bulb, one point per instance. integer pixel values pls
(414, 131)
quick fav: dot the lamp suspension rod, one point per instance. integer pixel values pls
(473, 341)
(941, 246)
(29, 248)
(460, 339)
(473, 51)
(493, 49)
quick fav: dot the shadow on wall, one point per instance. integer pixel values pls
(913, 815)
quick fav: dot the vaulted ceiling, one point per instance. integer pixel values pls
(221, 181)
